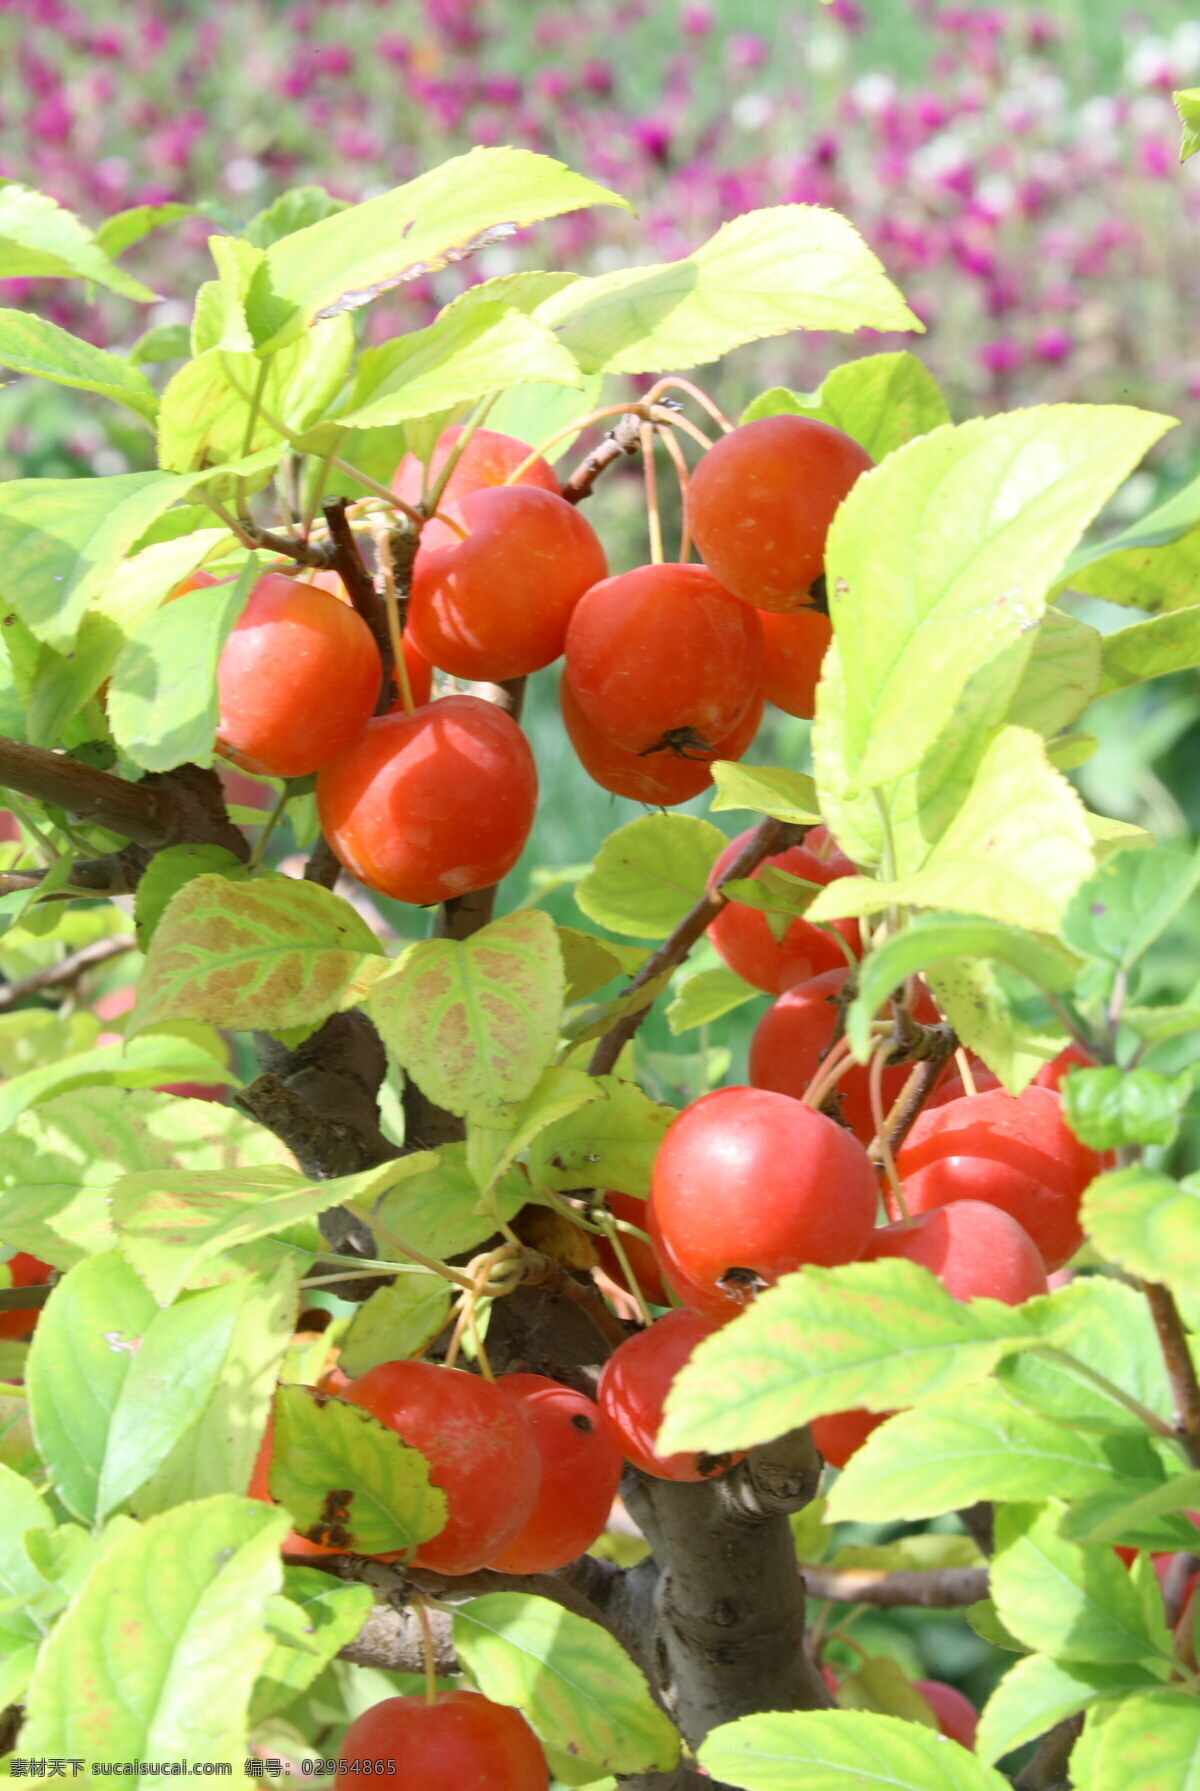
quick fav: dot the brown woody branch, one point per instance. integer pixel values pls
(24, 1299)
(67, 970)
(1181, 1369)
(933, 1589)
(620, 441)
(360, 587)
(1047, 1770)
(768, 838)
(179, 807)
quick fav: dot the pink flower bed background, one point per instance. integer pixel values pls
(1018, 176)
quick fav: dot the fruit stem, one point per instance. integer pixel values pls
(269, 826)
(646, 413)
(428, 1654)
(376, 1225)
(610, 1229)
(879, 1120)
(672, 383)
(646, 437)
(431, 498)
(395, 631)
(675, 452)
(964, 1070)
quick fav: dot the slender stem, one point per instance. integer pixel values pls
(612, 1233)
(879, 1121)
(965, 1071)
(1181, 1370)
(269, 826)
(434, 497)
(376, 1225)
(318, 491)
(675, 453)
(646, 436)
(1151, 1420)
(672, 383)
(427, 1649)
(67, 971)
(394, 629)
(768, 838)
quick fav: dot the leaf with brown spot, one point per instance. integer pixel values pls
(475, 1023)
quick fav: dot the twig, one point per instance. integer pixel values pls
(913, 1096)
(67, 970)
(768, 838)
(360, 588)
(25, 1299)
(184, 806)
(1181, 1370)
(930, 1589)
(620, 441)
(322, 867)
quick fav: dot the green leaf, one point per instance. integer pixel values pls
(397, 1321)
(271, 953)
(880, 1684)
(162, 705)
(42, 241)
(166, 342)
(786, 795)
(590, 962)
(168, 1634)
(650, 873)
(22, 1509)
(983, 1003)
(1075, 1603)
(1147, 1743)
(459, 357)
(573, 1682)
(610, 1143)
(941, 558)
(1110, 1107)
(705, 997)
(124, 228)
(980, 1443)
(59, 1161)
(1147, 1223)
(881, 400)
(939, 938)
(438, 1209)
(1095, 1327)
(1159, 575)
(840, 1750)
(878, 1335)
(443, 216)
(61, 540)
(291, 211)
(1128, 902)
(218, 1452)
(764, 274)
(1151, 649)
(1155, 1024)
(1016, 851)
(349, 1480)
(1039, 1692)
(1187, 104)
(172, 1223)
(1062, 675)
(533, 411)
(985, 1622)
(1148, 1522)
(143, 1063)
(308, 1626)
(496, 1141)
(475, 1023)
(114, 1381)
(33, 345)
(170, 871)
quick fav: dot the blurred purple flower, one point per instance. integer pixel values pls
(597, 77)
(1157, 159)
(745, 52)
(1053, 345)
(1001, 356)
(696, 19)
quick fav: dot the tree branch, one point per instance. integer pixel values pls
(621, 440)
(931, 1589)
(1181, 1370)
(360, 588)
(67, 970)
(768, 838)
(1047, 1770)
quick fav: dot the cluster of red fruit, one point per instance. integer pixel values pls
(529, 1472)
(751, 1183)
(667, 667)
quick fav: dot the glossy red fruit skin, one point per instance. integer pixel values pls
(952, 1087)
(660, 779)
(479, 1448)
(22, 1270)
(1014, 1153)
(429, 806)
(297, 680)
(956, 1716)
(793, 649)
(497, 604)
(488, 458)
(581, 1470)
(795, 1031)
(761, 501)
(642, 1259)
(754, 1181)
(462, 1742)
(840, 1435)
(742, 936)
(975, 1250)
(634, 1384)
(664, 652)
